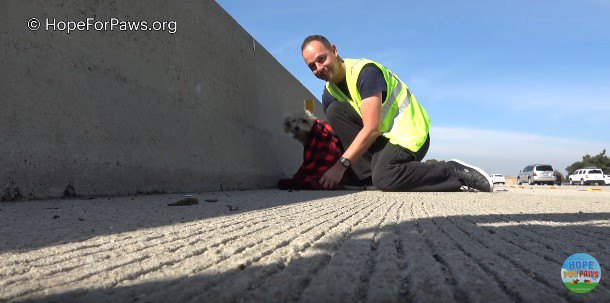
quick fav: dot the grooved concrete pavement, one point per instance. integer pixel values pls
(306, 246)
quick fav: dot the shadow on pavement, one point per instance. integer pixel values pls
(30, 225)
(487, 258)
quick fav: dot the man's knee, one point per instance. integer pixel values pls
(342, 111)
(334, 112)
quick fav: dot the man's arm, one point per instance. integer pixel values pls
(372, 87)
(371, 120)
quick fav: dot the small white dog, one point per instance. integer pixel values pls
(299, 124)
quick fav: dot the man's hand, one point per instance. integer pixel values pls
(333, 176)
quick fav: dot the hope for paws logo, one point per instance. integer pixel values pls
(581, 273)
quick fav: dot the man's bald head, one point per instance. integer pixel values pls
(318, 38)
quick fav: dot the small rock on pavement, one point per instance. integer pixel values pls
(185, 201)
(232, 208)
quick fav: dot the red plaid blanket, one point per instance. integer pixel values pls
(322, 150)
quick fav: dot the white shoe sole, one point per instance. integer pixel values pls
(481, 171)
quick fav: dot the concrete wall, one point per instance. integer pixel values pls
(114, 113)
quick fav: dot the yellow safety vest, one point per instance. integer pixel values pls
(403, 120)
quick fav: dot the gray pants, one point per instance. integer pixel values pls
(390, 167)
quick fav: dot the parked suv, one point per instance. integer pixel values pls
(537, 173)
(587, 176)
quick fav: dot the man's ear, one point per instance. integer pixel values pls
(333, 48)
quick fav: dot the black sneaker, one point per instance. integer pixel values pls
(471, 177)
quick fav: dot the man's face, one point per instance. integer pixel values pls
(323, 62)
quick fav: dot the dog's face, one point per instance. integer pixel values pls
(299, 125)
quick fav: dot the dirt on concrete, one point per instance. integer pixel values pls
(312, 246)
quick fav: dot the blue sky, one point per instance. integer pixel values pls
(506, 83)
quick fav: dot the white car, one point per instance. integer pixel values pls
(497, 178)
(588, 176)
(607, 179)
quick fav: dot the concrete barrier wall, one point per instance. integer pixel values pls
(120, 112)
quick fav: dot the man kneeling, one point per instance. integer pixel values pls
(382, 125)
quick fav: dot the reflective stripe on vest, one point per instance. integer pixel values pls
(403, 120)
